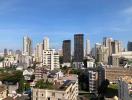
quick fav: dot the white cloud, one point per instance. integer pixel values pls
(128, 11)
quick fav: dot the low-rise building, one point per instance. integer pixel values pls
(9, 61)
(125, 88)
(28, 74)
(42, 73)
(116, 57)
(113, 73)
(65, 88)
(90, 62)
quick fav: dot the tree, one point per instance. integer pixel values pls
(21, 86)
(1, 59)
(44, 85)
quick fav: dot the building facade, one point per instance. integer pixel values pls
(114, 46)
(65, 88)
(102, 53)
(39, 52)
(129, 46)
(125, 88)
(66, 52)
(46, 43)
(112, 74)
(50, 59)
(88, 49)
(93, 81)
(27, 46)
(116, 57)
(78, 50)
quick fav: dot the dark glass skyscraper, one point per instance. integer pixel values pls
(78, 48)
(5, 52)
(66, 51)
(129, 46)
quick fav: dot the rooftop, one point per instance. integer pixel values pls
(60, 84)
(2, 88)
(127, 79)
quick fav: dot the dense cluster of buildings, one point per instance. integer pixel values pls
(107, 60)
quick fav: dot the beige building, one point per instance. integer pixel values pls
(125, 88)
(3, 92)
(114, 47)
(65, 88)
(27, 46)
(46, 43)
(102, 53)
(112, 74)
(9, 61)
(39, 53)
(116, 57)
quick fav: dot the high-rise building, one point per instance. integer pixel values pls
(18, 52)
(67, 51)
(27, 46)
(50, 59)
(129, 46)
(10, 52)
(114, 47)
(102, 53)
(107, 43)
(39, 52)
(88, 49)
(97, 46)
(78, 48)
(5, 52)
(46, 43)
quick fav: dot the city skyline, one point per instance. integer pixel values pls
(60, 20)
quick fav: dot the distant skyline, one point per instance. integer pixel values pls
(61, 19)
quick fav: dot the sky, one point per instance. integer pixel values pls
(61, 19)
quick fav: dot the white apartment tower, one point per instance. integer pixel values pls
(88, 47)
(27, 46)
(46, 43)
(50, 59)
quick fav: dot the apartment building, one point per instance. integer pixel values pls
(50, 59)
(65, 88)
(93, 81)
(125, 88)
